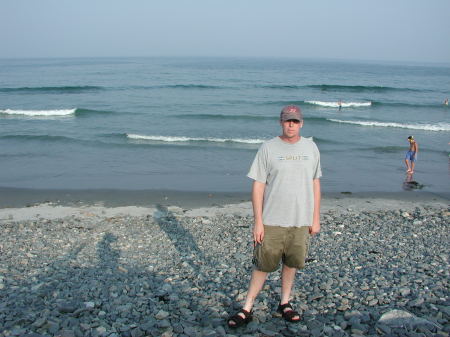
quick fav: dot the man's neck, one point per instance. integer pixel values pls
(290, 140)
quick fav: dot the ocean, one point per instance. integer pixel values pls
(195, 124)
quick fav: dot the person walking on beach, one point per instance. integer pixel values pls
(411, 155)
(286, 207)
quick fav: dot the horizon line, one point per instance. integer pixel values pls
(299, 58)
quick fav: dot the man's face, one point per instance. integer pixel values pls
(291, 128)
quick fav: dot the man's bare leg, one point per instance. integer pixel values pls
(256, 284)
(408, 168)
(287, 281)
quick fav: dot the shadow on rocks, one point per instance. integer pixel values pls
(181, 238)
(69, 300)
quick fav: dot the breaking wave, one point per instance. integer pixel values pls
(53, 112)
(170, 139)
(336, 104)
(39, 113)
(425, 127)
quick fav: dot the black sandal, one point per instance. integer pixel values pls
(288, 315)
(238, 320)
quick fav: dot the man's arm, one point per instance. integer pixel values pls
(315, 227)
(257, 201)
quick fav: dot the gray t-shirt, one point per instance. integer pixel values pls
(288, 171)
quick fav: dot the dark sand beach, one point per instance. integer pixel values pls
(23, 197)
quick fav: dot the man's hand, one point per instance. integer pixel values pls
(315, 228)
(258, 233)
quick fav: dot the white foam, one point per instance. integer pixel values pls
(194, 139)
(45, 113)
(343, 104)
(426, 127)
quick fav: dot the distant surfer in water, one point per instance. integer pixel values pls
(446, 101)
(340, 105)
(411, 155)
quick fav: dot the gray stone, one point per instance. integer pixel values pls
(417, 302)
(162, 315)
(18, 332)
(373, 302)
(67, 333)
(354, 320)
(405, 291)
(66, 307)
(209, 332)
(220, 331)
(327, 330)
(359, 329)
(89, 305)
(267, 332)
(163, 323)
(314, 324)
(351, 314)
(316, 332)
(343, 307)
(252, 327)
(399, 318)
(315, 296)
(383, 329)
(177, 328)
(137, 333)
(101, 330)
(53, 327)
(39, 323)
(190, 331)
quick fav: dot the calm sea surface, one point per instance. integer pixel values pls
(195, 124)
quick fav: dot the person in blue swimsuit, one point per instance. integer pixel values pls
(411, 155)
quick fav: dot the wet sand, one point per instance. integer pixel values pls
(28, 204)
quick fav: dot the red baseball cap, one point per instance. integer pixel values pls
(291, 112)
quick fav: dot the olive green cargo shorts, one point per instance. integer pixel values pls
(287, 244)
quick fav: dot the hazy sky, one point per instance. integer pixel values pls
(388, 30)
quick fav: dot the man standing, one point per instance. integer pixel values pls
(286, 207)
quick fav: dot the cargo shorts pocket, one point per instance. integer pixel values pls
(297, 247)
(267, 255)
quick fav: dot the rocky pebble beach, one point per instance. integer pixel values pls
(369, 273)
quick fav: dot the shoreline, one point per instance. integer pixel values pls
(27, 197)
(29, 204)
(11, 197)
